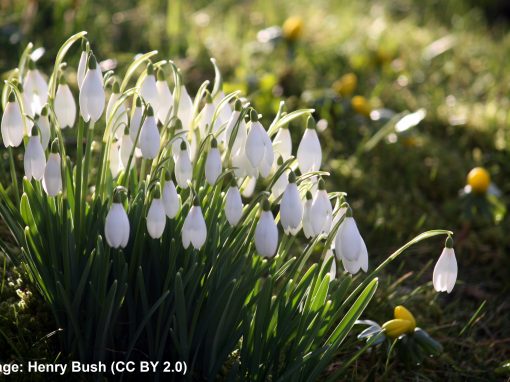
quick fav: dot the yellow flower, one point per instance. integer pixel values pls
(361, 105)
(293, 28)
(479, 180)
(346, 85)
(401, 312)
(396, 327)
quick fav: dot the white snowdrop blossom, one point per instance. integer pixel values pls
(119, 119)
(136, 122)
(165, 98)
(445, 271)
(307, 216)
(194, 230)
(259, 148)
(213, 163)
(350, 247)
(82, 64)
(52, 179)
(126, 147)
(43, 123)
(156, 217)
(185, 110)
(35, 88)
(115, 161)
(322, 211)
(148, 89)
(309, 154)
(34, 160)
(282, 143)
(291, 207)
(171, 199)
(64, 105)
(266, 232)
(183, 167)
(206, 117)
(149, 136)
(12, 123)
(117, 225)
(233, 205)
(92, 97)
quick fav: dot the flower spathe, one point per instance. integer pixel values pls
(266, 232)
(117, 225)
(12, 123)
(194, 230)
(92, 97)
(445, 270)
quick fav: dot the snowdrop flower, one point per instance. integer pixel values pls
(136, 122)
(225, 111)
(27, 108)
(291, 208)
(156, 218)
(52, 179)
(242, 165)
(183, 167)
(92, 98)
(350, 247)
(282, 181)
(194, 230)
(322, 211)
(116, 228)
(213, 163)
(171, 199)
(44, 126)
(185, 111)
(307, 216)
(34, 160)
(259, 148)
(332, 270)
(120, 118)
(126, 147)
(36, 88)
(12, 123)
(115, 162)
(445, 271)
(249, 187)
(207, 116)
(240, 138)
(233, 204)
(64, 105)
(309, 154)
(82, 64)
(165, 98)
(266, 232)
(149, 136)
(148, 89)
(282, 143)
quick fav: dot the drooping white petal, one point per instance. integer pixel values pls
(233, 205)
(249, 186)
(266, 165)
(165, 100)
(266, 235)
(149, 91)
(445, 271)
(126, 147)
(34, 161)
(321, 214)
(135, 124)
(115, 161)
(241, 135)
(213, 166)
(36, 89)
(185, 111)
(255, 144)
(206, 117)
(119, 120)
(291, 209)
(12, 125)
(44, 130)
(348, 239)
(183, 169)
(149, 138)
(194, 229)
(156, 219)
(280, 184)
(65, 106)
(92, 97)
(52, 179)
(117, 226)
(307, 220)
(309, 154)
(82, 68)
(225, 112)
(282, 143)
(171, 199)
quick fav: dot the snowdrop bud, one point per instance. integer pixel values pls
(171, 199)
(213, 164)
(115, 161)
(148, 89)
(156, 218)
(64, 105)
(12, 123)
(309, 154)
(322, 211)
(52, 179)
(445, 271)
(266, 232)
(44, 127)
(291, 208)
(136, 121)
(282, 181)
(36, 88)
(350, 247)
(126, 147)
(82, 65)
(34, 160)
(206, 116)
(183, 167)
(117, 224)
(332, 270)
(282, 143)
(233, 204)
(165, 98)
(149, 136)
(120, 118)
(194, 230)
(185, 111)
(92, 98)
(307, 216)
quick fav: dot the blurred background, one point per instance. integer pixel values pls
(412, 95)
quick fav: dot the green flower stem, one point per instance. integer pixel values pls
(77, 199)
(85, 183)
(13, 175)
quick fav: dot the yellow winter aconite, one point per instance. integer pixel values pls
(346, 85)
(361, 105)
(292, 28)
(479, 179)
(396, 327)
(401, 312)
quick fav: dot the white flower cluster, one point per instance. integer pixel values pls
(238, 147)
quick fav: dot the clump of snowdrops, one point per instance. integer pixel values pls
(162, 226)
